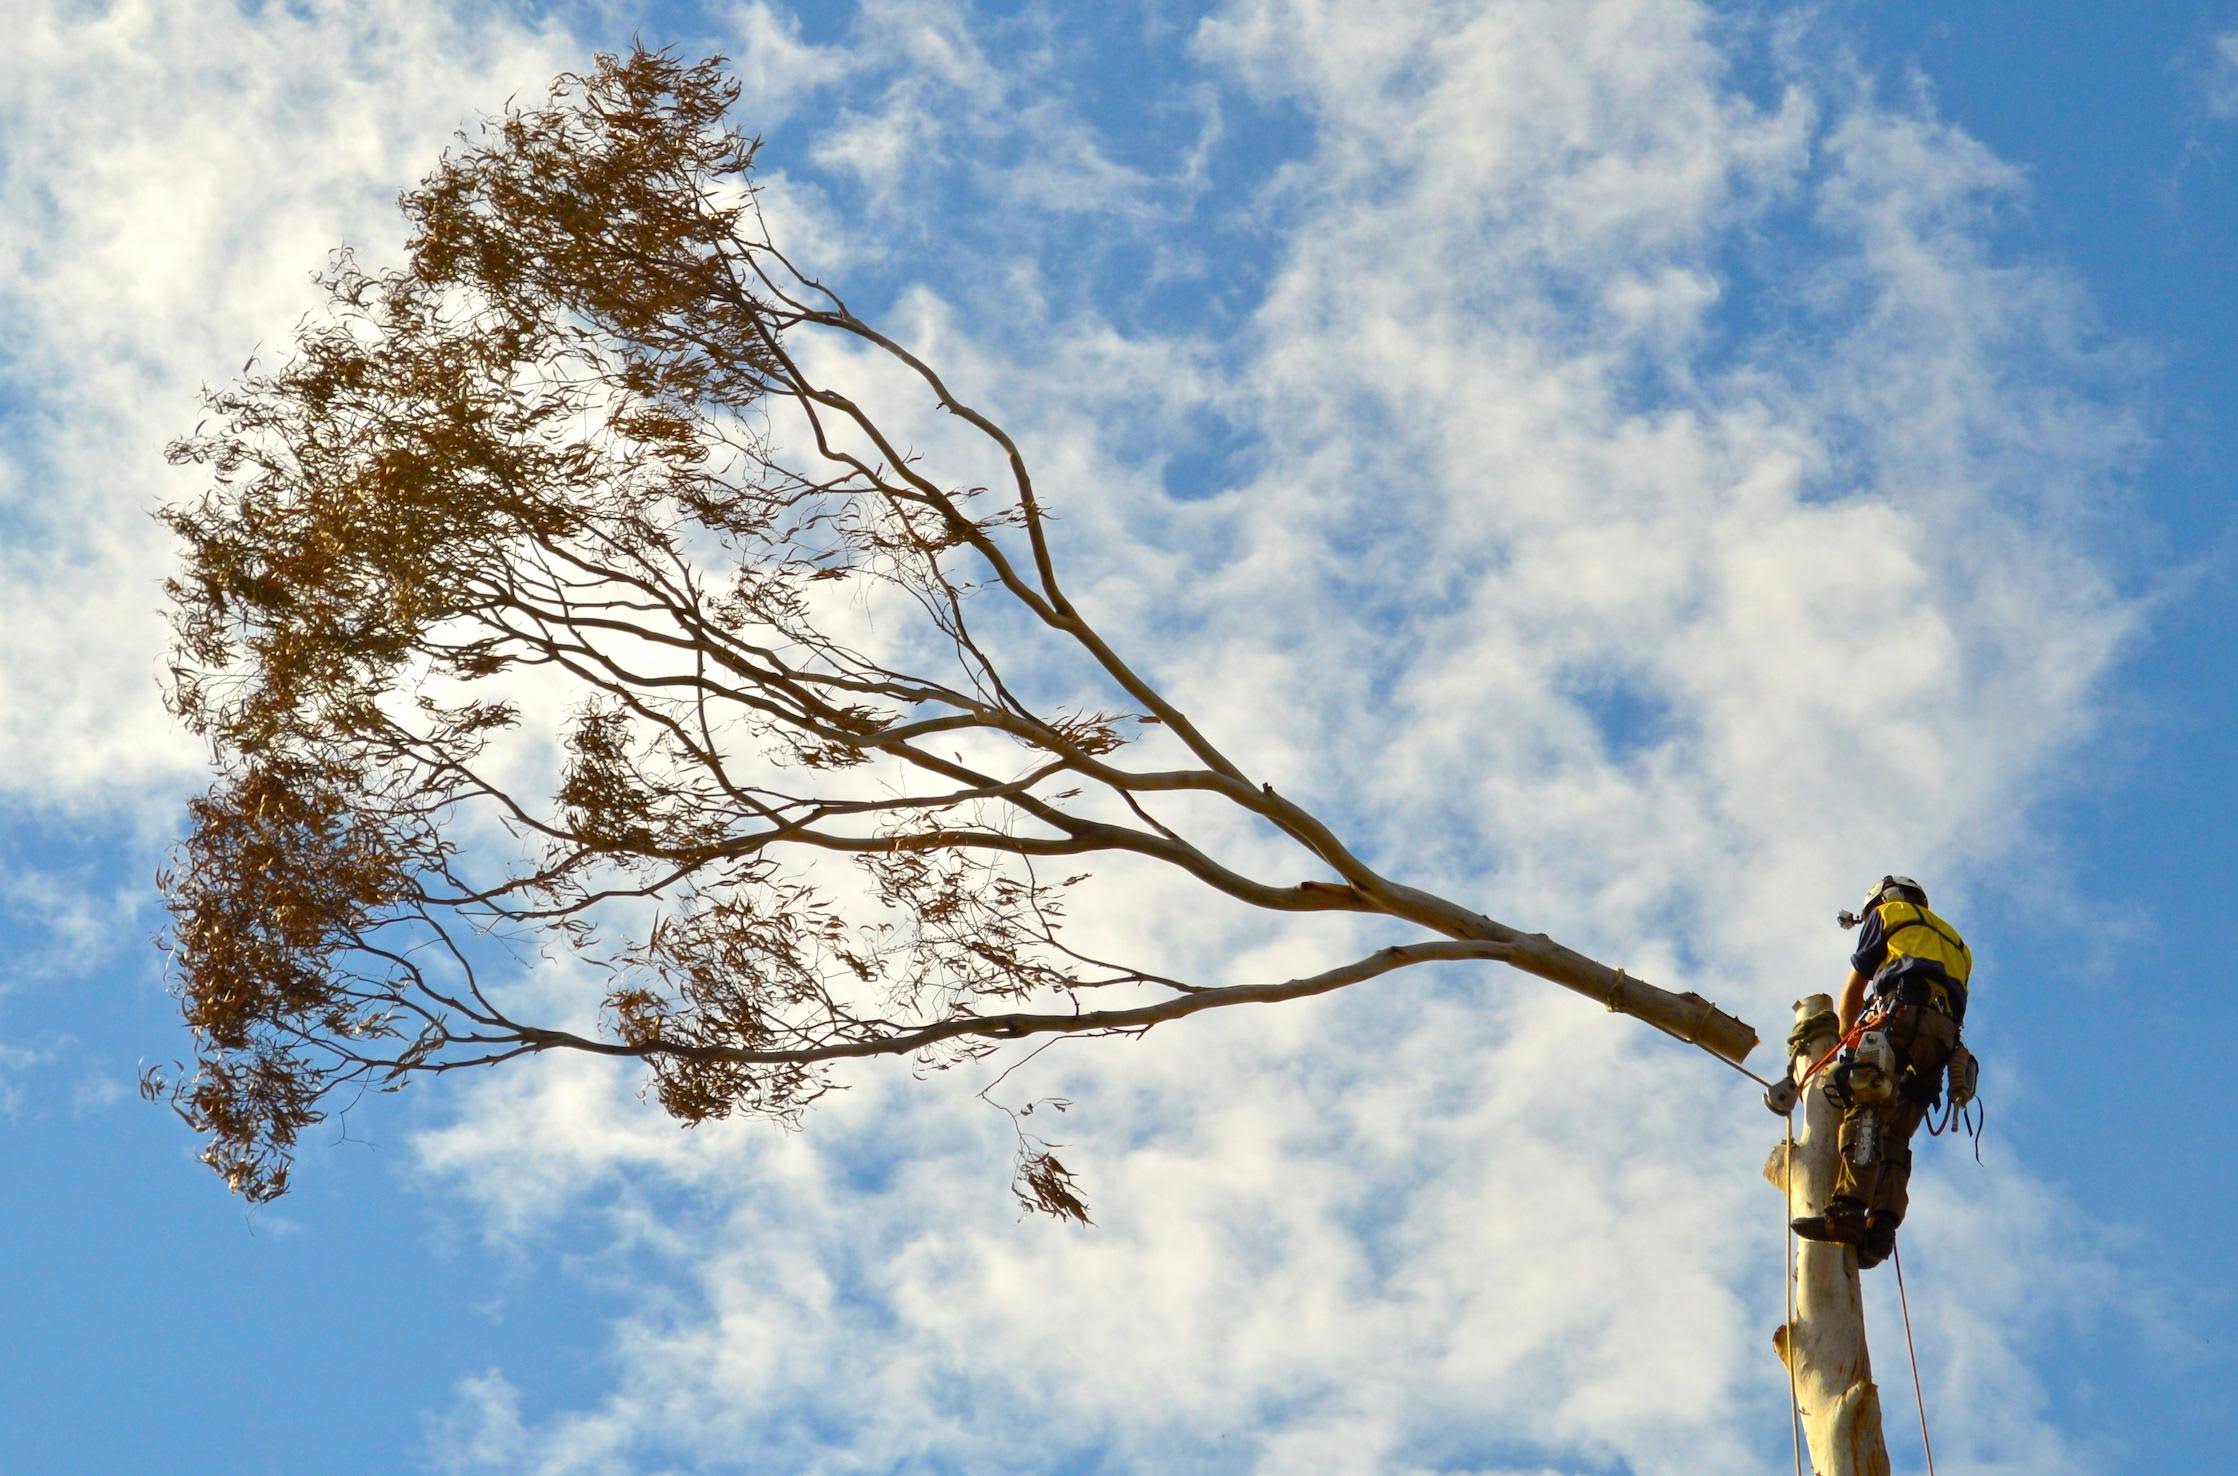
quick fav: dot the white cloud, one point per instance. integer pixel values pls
(2220, 84)
(175, 175)
(16, 1062)
(1516, 460)
(92, 1094)
(1519, 460)
(485, 1430)
(64, 924)
(774, 66)
(939, 110)
(882, 150)
(940, 82)
(1069, 172)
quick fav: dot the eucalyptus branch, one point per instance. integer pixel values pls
(542, 605)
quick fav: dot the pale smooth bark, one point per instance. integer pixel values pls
(1824, 1348)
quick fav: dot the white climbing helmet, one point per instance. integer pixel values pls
(1882, 890)
(1893, 886)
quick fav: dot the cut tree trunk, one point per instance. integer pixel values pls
(1824, 1348)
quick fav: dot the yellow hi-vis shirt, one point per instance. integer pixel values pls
(1903, 941)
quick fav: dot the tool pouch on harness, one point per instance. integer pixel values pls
(1965, 1074)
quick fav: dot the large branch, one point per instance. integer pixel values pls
(515, 457)
(1020, 1025)
(1688, 1016)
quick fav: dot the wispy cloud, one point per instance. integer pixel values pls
(1516, 451)
(1556, 574)
(2219, 82)
(2206, 72)
(147, 238)
(63, 921)
(16, 1061)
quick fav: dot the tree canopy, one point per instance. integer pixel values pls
(551, 596)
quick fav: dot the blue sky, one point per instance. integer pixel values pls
(1646, 467)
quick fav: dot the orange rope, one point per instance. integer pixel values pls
(1854, 1032)
(1866, 1020)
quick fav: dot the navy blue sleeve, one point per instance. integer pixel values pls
(1872, 947)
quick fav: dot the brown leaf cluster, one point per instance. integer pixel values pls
(534, 449)
(523, 608)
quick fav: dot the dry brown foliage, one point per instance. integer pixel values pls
(568, 457)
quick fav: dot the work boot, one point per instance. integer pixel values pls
(1843, 1223)
(1879, 1242)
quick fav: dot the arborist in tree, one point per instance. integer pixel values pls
(1899, 1021)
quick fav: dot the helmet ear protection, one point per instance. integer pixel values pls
(1887, 887)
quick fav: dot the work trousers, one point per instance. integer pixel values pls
(1921, 1039)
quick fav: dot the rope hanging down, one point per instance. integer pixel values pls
(1918, 1396)
(1787, 1331)
(1787, 1351)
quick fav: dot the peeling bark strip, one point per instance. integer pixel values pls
(576, 456)
(1825, 1349)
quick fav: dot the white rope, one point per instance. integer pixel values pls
(1918, 1395)
(1787, 1333)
